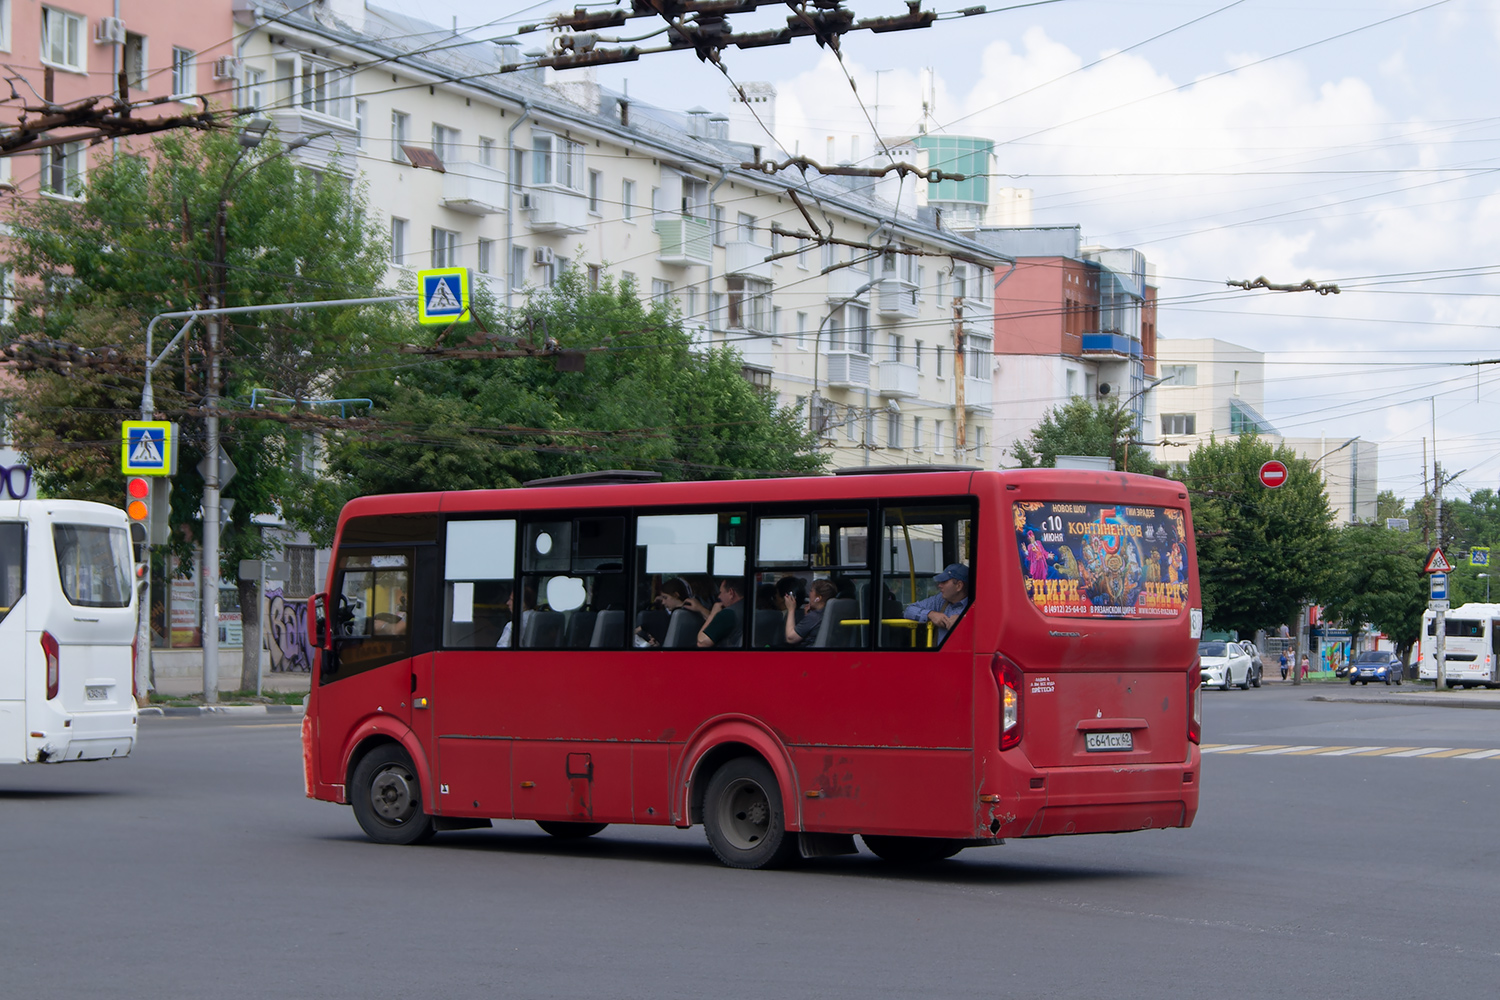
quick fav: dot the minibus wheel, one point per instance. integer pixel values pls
(744, 819)
(912, 850)
(387, 798)
(570, 831)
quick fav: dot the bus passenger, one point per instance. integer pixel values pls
(506, 639)
(802, 633)
(944, 608)
(722, 628)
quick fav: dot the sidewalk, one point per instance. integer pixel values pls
(229, 680)
(1419, 693)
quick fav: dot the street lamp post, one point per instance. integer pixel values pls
(1125, 464)
(1486, 577)
(812, 401)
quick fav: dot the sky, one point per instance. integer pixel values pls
(1354, 143)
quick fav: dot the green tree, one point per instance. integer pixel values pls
(1083, 427)
(645, 399)
(1261, 552)
(1376, 579)
(142, 242)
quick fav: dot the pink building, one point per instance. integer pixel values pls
(175, 49)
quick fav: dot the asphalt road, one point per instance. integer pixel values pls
(197, 869)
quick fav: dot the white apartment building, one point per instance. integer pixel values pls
(518, 175)
(1215, 388)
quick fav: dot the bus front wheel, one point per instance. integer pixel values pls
(912, 850)
(387, 798)
(570, 831)
(744, 819)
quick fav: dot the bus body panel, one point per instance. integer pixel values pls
(1471, 652)
(863, 740)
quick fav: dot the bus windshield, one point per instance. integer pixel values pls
(94, 565)
(12, 566)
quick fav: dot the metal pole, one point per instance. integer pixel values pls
(210, 569)
(960, 427)
(1439, 621)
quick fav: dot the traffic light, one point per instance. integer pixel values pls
(138, 511)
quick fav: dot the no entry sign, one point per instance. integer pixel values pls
(1272, 474)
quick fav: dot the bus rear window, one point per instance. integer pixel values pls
(94, 564)
(1102, 560)
(12, 566)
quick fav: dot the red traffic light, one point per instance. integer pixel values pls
(137, 493)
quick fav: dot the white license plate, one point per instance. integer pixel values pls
(1094, 742)
(97, 692)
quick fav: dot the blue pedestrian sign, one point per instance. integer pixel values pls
(443, 296)
(1479, 556)
(148, 448)
(1437, 587)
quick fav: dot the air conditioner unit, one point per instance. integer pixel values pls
(227, 68)
(543, 257)
(109, 31)
(528, 201)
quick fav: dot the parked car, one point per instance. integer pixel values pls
(1224, 665)
(1375, 665)
(1252, 651)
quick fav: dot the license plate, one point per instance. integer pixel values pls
(1095, 742)
(97, 692)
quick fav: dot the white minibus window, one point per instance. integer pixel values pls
(93, 563)
(12, 566)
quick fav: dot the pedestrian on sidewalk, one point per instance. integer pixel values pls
(1285, 663)
(1305, 666)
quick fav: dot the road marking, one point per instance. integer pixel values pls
(1322, 751)
(1481, 755)
(1449, 753)
(1225, 747)
(1418, 752)
(1281, 750)
(1384, 751)
(1308, 750)
(1345, 751)
(1254, 749)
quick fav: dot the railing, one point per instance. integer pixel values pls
(843, 283)
(748, 259)
(898, 380)
(473, 188)
(896, 297)
(848, 369)
(556, 210)
(979, 394)
(758, 351)
(685, 241)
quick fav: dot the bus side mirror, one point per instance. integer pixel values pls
(317, 621)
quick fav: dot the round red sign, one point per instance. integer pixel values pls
(1272, 474)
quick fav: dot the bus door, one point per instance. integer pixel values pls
(13, 651)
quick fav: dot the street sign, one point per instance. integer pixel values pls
(1437, 563)
(1479, 556)
(1437, 587)
(148, 448)
(1272, 474)
(1437, 605)
(227, 469)
(443, 296)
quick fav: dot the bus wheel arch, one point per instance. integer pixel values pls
(375, 734)
(387, 796)
(715, 745)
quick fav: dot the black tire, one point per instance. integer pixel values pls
(1398, 680)
(1226, 684)
(570, 831)
(1244, 685)
(912, 850)
(1255, 681)
(1388, 680)
(1351, 681)
(387, 798)
(743, 817)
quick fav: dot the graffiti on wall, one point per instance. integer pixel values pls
(287, 622)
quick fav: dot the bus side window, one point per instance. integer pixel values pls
(371, 613)
(795, 549)
(916, 544)
(573, 584)
(479, 572)
(680, 560)
(12, 566)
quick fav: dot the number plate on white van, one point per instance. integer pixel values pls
(100, 692)
(1094, 742)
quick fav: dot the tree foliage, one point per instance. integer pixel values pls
(1083, 427)
(1261, 552)
(1376, 578)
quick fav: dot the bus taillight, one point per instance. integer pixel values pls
(1195, 700)
(1008, 677)
(54, 674)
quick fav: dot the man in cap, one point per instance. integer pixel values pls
(944, 608)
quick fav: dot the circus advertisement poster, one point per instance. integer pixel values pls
(1104, 560)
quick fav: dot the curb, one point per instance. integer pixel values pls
(202, 710)
(1420, 700)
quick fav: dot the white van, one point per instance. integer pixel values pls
(67, 632)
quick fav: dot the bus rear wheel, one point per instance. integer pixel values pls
(387, 798)
(744, 819)
(912, 850)
(570, 831)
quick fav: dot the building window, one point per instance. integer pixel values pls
(62, 39)
(660, 290)
(893, 429)
(937, 437)
(745, 228)
(398, 241)
(184, 72)
(517, 267)
(802, 256)
(556, 161)
(361, 117)
(776, 243)
(593, 276)
(655, 204)
(627, 200)
(252, 91)
(898, 347)
(1179, 423)
(1179, 374)
(916, 433)
(596, 185)
(802, 330)
(980, 358)
(485, 250)
(62, 170)
(749, 304)
(444, 247)
(937, 355)
(979, 443)
(776, 324)
(327, 90)
(916, 355)
(400, 134)
(1072, 380)
(5, 25)
(445, 143)
(486, 151)
(718, 225)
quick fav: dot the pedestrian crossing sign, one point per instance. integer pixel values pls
(443, 296)
(1479, 555)
(148, 448)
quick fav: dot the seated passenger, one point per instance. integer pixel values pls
(510, 602)
(722, 628)
(651, 626)
(944, 608)
(802, 632)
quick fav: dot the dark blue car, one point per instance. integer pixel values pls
(1375, 665)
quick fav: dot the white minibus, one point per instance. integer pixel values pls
(1471, 651)
(67, 632)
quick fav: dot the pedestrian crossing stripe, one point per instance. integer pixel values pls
(1286, 750)
(443, 296)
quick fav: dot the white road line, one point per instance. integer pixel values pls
(1228, 746)
(1278, 750)
(1341, 753)
(1418, 752)
(1478, 755)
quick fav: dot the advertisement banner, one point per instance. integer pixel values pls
(1103, 560)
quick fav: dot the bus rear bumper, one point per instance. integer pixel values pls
(1117, 799)
(83, 736)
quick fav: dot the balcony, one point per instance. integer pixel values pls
(843, 283)
(327, 136)
(473, 188)
(747, 259)
(898, 380)
(554, 210)
(1111, 343)
(685, 241)
(848, 370)
(758, 351)
(895, 297)
(979, 394)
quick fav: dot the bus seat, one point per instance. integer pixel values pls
(831, 633)
(580, 629)
(769, 626)
(543, 630)
(683, 629)
(609, 630)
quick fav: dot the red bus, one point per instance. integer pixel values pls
(531, 654)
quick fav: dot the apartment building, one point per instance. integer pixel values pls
(518, 175)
